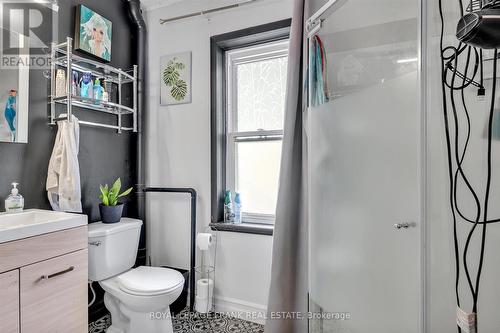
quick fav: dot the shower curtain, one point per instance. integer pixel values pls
(287, 305)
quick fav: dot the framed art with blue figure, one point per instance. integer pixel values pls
(14, 94)
(93, 33)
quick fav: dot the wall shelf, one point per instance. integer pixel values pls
(96, 105)
(62, 57)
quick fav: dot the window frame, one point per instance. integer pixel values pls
(260, 52)
(220, 44)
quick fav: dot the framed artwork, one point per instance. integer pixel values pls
(175, 79)
(14, 100)
(93, 33)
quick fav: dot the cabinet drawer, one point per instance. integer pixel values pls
(22, 252)
(54, 295)
(9, 302)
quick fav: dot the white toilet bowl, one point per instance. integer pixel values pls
(139, 299)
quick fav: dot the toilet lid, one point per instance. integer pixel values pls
(145, 280)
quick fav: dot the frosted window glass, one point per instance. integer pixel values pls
(258, 166)
(261, 87)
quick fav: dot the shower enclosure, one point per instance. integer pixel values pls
(381, 243)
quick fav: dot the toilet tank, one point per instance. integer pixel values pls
(112, 247)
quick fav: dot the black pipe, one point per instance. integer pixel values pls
(194, 195)
(135, 13)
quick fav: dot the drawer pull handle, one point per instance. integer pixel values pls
(47, 277)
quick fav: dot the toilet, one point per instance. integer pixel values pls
(138, 298)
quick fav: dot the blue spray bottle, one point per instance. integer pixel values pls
(237, 208)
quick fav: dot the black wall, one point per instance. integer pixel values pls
(104, 154)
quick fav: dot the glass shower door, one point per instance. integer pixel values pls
(365, 172)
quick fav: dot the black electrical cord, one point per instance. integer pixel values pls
(455, 72)
(450, 168)
(452, 67)
(482, 70)
(488, 179)
(450, 63)
(475, 292)
(460, 171)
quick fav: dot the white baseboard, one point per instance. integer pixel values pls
(241, 309)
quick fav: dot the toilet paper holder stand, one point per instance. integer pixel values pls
(207, 273)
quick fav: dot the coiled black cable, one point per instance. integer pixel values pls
(450, 167)
(450, 63)
(488, 179)
(460, 171)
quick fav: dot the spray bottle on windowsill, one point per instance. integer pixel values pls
(237, 208)
(228, 207)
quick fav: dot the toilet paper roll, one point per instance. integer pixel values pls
(203, 305)
(204, 241)
(205, 288)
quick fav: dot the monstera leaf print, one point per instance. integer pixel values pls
(179, 90)
(171, 78)
(170, 75)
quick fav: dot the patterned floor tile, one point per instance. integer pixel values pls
(186, 322)
(100, 325)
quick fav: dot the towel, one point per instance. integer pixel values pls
(318, 72)
(63, 176)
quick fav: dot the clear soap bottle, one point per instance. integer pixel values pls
(14, 202)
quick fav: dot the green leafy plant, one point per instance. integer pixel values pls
(109, 196)
(171, 78)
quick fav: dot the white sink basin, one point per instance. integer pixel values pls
(33, 222)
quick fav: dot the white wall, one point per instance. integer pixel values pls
(179, 153)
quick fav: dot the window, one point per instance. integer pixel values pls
(248, 75)
(255, 104)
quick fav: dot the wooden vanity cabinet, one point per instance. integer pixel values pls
(9, 302)
(47, 290)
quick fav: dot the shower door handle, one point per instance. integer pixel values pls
(404, 225)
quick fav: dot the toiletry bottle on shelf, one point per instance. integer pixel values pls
(14, 202)
(228, 207)
(86, 86)
(105, 94)
(237, 208)
(97, 91)
(109, 87)
(60, 82)
(74, 84)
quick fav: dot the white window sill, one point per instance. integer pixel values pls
(246, 228)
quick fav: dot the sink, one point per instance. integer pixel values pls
(34, 222)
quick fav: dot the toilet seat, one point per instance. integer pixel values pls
(150, 281)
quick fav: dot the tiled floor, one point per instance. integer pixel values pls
(189, 323)
(100, 326)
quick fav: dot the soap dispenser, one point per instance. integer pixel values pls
(14, 202)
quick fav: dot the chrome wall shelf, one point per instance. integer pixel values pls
(62, 57)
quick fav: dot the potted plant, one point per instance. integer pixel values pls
(110, 209)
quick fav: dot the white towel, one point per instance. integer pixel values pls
(63, 176)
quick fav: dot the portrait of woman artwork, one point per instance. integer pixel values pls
(93, 33)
